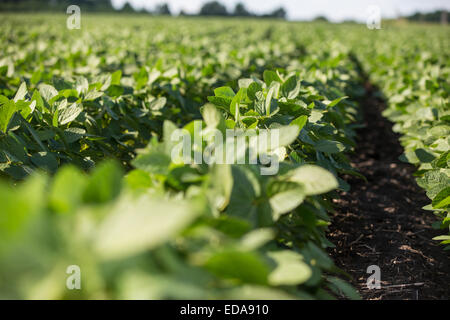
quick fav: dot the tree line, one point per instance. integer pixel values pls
(439, 16)
(211, 8)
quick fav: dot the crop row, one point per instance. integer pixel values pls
(412, 68)
(146, 225)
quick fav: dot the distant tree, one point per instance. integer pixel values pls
(88, 5)
(213, 8)
(144, 11)
(241, 11)
(163, 9)
(321, 18)
(436, 17)
(279, 13)
(127, 8)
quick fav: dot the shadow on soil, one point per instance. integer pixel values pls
(380, 222)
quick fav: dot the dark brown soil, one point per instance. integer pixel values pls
(380, 222)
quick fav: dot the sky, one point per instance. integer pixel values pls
(334, 10)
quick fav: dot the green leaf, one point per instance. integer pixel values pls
(93, 95)
(328, 146)
(213, 118)
(300, 122)
(69, 114)
(104, 184)
(36, 77)
(21, 93)
(225, 92)
(257, 238)
(269, 97)
(19, 208)
(275, 138)
(317, 255)
(231, 226)
(6, 112)
(168, 130)
(271, 76)
(235, 104)
(138, 180)
(442, 199)
(45, 161)
(67, 189)
(81, 85)
(158, 104)
(258, 292)
(223, 102)
(245, 195)
(291, 88)
(442, 238)
(336, 101)
(137, 225)
(47, 92)
(424, 156)
(115, 91)
(433, 182)
(153, 161)
(286, 200)
(74, 134)
(339, 285)
(115, 77)
(260, 103)
(252, 89)
(315, 179)
(244, 267)
(245, 83)
(220, 186)
(25, 108)
(39, 102)
(409, 157)
(290, 268)
(442, 161)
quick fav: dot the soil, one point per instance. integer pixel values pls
(380, 222)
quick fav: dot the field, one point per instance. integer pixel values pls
(91, 176)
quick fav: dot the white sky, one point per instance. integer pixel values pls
(335, 10)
